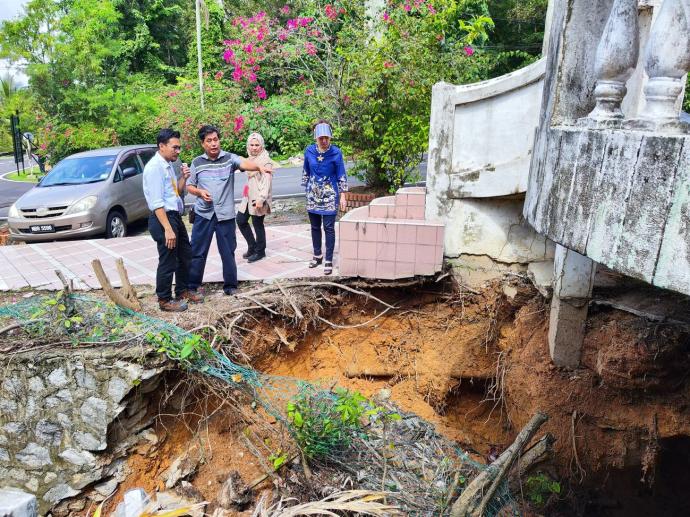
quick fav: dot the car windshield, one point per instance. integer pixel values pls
(77, 171)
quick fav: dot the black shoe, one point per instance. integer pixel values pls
(231, 291)
(248, 254)
(256, 256)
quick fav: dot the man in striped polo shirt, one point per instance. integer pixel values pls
(213, 182)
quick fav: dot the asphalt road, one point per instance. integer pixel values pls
(9, 190)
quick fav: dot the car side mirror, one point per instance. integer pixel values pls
(129, 172)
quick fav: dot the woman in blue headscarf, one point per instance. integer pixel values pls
(324, 178)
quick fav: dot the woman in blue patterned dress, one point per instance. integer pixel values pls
(324, 178)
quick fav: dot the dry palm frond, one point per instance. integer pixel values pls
(365, 502)
(177, 512)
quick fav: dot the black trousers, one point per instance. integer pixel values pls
(258, 244)
(328, 222)
(174, 261)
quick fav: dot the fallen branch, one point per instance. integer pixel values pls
(108, 289)
(475, 498)
(382, 370)
(19, 325)
(538, 453)
(127, 288)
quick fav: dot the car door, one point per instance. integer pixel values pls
(128, 185)
(144, 155)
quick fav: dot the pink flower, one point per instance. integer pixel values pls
(468, 50)
(219, 75)
(388, 64)
(260, 92)
(282, 35)
(308, 91)
(239, 123)
(292, 24)
(251, 61)
(259, 109)
(228, 55)
(285, 9)
(310, 48)
(237, 74)
(43, 147)
(248, 48)
(331, 13)
(305, 21)
(431, 8)
(251, 77)
(386, 17)
(407, 7)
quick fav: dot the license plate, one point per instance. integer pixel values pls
(42, 228)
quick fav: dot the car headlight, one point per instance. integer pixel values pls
(14, 213)
(82, 205)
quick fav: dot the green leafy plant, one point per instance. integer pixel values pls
(324, 423)
(540, 487)
(187, 350)
(61, 312)
(278, 459)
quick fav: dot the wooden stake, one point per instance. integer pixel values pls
(108, 289)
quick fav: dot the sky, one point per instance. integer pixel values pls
(10, 10)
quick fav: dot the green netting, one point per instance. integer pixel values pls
(394, 451)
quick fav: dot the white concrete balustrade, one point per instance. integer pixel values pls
(666, 60)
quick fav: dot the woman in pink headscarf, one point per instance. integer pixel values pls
(256, 200)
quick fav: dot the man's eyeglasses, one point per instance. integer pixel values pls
(176, 147)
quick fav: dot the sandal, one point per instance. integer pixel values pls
(327, 268)
(315, 261)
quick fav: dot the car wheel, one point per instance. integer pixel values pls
(115, 225)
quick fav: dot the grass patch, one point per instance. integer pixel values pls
(31, 175)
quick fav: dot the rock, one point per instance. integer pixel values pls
(78, 458)
(89, 442)
(14, 428)
(94, 413)
(187, 490)
(85, 380)
(106, 488)
(77, 505)
(59, 492)
(32, 485)
(182, 467)
(58, 378)
(15, 503)
(34, 456)
(48, 433)
(4, 455)
(541, 275)
(117, 389)
(36, 385)
(233, 493)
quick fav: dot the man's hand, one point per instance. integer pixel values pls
(205, 195)
(170, 238)
(186, 171)
(266, 169)
(343, 203)
(258, 203)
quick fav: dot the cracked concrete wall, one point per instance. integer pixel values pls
(61, 410)
(480, 146)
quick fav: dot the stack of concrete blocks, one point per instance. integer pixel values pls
(480, 145)
(390, 238)
(610, 174)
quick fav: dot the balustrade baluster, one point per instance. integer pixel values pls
(667, 61)
(616, 59)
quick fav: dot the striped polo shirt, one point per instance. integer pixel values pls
(218, 177)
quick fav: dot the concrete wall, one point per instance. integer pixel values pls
(61, 411)
(480, 146)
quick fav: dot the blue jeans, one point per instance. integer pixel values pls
(328, 228)
(202, 234)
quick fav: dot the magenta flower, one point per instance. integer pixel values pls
(407, 7)
(237, 74)
(386, 17)
(248, 48)
(219, 75)
(292, 24)
(228, 55)
(251, 77)
(468, 50)
(310, 48)
(260, 92)
(331, 13)
(239, 123)
(282, 35)
(285, 9)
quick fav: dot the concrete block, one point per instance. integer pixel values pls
(15, 503)
(566, 332)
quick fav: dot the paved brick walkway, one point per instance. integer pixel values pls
(33, 265)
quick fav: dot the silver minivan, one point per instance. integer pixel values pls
(90, 193)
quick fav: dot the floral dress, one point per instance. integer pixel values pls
(324, 178)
